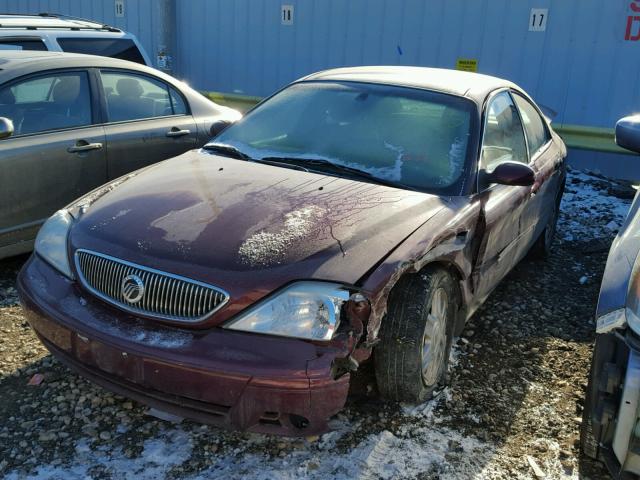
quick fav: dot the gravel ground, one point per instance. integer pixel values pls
(514, 394)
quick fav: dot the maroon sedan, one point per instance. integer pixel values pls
(359, 213)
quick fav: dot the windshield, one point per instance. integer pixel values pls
(417, 138)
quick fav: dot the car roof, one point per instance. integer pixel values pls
(475, 86)
(16, 63)
(47, 21)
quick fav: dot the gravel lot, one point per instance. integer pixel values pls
(514, 394)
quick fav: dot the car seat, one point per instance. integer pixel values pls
(129, 104)
(69, 107)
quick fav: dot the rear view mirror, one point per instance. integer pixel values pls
(511, 173)
(628, 133)
(218, 126)
(6, 128)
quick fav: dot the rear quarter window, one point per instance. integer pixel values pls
(22, 44)
(537, 133)
(122, 48)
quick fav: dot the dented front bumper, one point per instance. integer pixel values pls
(230, 379)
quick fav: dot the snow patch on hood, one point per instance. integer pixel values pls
(268, 248)
(186, 225)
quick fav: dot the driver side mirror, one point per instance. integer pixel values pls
(510, 173)
(218, 126)
(6, 128)
(628, 133)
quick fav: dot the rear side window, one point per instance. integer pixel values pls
(134, 97)
(537, 133)
(22, 44)
(122, 48)
(48, 102)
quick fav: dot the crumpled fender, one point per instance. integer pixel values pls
(622, 256)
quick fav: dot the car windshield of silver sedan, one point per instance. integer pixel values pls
(400, 136)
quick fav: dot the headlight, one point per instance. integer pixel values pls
(309, 310)
(51, 242)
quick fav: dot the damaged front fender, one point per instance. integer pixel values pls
(452, 244)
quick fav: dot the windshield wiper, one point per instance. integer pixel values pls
(228, 150)
(234, 152)
(336, 167)
(280, 163)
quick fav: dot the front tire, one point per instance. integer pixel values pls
(416, 335)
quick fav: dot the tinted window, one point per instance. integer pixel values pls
(537, 134)
(133, 97)
(123, 48)
(177, 102)
(503, 134)
(416, 137)
(22, 44)
(48, 102)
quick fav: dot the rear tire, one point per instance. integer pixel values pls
(416, 335)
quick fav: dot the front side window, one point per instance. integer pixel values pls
(48, 102)
(503, 135)
(122, 48)
(134, 97)
(22, 44)
(418, 138)
(537, 133)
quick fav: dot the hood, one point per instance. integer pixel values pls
(246, 227)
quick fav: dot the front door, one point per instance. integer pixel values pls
(546, 160)
(55, 155)
(147, 121)
(503, 140)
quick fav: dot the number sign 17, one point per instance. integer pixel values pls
(538, 19)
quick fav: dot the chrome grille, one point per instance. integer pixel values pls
(165, 296)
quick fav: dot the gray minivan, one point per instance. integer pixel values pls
(70, 123)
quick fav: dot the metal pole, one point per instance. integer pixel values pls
(165, 35)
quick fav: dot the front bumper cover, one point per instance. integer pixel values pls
(613, 401)
(230, 379)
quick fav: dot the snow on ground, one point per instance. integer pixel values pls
(585, 204)
(384, 455)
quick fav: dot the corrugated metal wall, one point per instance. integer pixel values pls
(581, 66)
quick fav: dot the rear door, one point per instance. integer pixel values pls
(503, 140)
(147, 121)
(56, 152)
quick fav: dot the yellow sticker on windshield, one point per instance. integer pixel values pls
(467, 64)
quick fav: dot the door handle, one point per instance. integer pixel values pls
(83, 146)
(176, 132)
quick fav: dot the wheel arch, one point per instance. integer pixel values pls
(460, 281)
